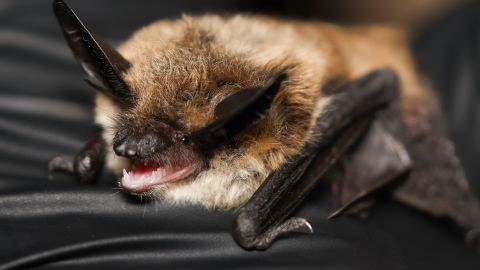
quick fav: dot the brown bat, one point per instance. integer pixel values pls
(253, 112)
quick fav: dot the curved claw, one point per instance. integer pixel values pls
(294, 224)
(247, 236)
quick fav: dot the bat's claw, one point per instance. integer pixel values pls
(303, 226)
(246, 236)
(59, 163)
(294, 224)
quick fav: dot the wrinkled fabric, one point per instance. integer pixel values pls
(46, 109)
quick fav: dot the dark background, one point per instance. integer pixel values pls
(46, 109)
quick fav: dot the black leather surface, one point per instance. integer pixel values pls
(46, 109)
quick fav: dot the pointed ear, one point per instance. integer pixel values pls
(240, 111)
(101, 62)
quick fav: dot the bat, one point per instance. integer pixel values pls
(251, 113)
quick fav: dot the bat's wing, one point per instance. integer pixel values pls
(437, 184)
(373, 163)
(349, 114)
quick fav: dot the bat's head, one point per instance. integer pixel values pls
(199, 118)
(175, 135)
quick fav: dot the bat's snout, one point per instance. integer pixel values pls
(141, 146)
(159, 154)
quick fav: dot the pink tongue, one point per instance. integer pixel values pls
(143, 177)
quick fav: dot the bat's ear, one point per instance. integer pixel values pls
(240, 111)
(101, 62)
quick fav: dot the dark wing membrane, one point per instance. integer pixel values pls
(376, 161)
(262, 218)
(437, 184)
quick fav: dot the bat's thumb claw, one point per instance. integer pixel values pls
(249, 232)
(294, 224)
(300, 225)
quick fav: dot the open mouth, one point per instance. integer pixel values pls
(145, 175)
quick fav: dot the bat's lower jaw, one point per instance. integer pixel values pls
(144, 177)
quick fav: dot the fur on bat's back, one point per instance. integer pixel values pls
(182, 68)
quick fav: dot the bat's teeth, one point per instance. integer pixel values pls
(145, 163)
(153, 177)
(126, 176)
(156, 174)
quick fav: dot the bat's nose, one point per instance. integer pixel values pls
(140, 147)
(126, 149)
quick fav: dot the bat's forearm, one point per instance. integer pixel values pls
(262, 217)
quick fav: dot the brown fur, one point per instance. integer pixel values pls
(181, 69)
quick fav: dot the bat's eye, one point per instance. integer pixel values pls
(225, 83)
(184, 139)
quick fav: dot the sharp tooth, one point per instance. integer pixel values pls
(153, 176)
(127, 176)
(145, 163)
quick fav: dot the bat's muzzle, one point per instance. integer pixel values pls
(141, 147)
(159, 154)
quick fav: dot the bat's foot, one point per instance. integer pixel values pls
(250, 240)
(81, 168)
(59, 164)
(85, 166)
